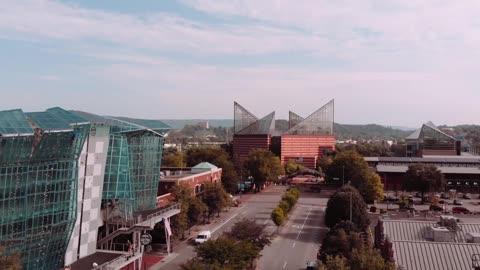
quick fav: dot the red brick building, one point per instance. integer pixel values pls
(306, 140)
(196, 177)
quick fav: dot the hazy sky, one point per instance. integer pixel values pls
(387, 62)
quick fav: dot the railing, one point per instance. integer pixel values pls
(119, 261)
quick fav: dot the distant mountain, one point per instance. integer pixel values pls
(180, 123)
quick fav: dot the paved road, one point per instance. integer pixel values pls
(298, 242)
(257, 206)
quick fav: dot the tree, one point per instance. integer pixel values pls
(215, 198)
(218, 157)
(182, 193)
(263, 166)
(340, 241)
(374, 190)
(227, 253)
(10, 261)
(173, 158)
(368, 258)
(323, 163)
(338, 208)
(248, 230)
(335, 263)
(196, 211)
(423, 178)
(291, 166)
(193, 264)
(351, 166)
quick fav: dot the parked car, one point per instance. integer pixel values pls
(202, 237)
(392, 198)
(467, 196)
(460, 209)
(418, 195)
(457, 202)
(445, 196)
(435, 208)
(312, 265)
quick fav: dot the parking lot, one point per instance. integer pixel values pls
(473, 204)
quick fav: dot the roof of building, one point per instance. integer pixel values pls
(406, 230)
(13, 122)
(449, 170)
(319, 122)
(429, 159)
(418, 133)
(246, 123)
(434, 255)
(205, 165)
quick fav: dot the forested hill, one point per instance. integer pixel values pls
(342, 131)
(370, 131)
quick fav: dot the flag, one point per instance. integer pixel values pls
(167, 227)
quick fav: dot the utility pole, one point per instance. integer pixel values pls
(350, 206)
(343, 175)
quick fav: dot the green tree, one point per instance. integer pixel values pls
(182, 193)
(340, 241)
(218, 157)
(193, 264)
(423, 178)
(215, 197)
(374, 187)
(278, 216)
(368, 258)
(338, 208)
(263, 166)
(10, 261)
(291, 166)
(248, 230)
(227, 253)
(285, 206)
(335, 263)
(323, 163)
(351, 167)
(173, 158)
(196, 211)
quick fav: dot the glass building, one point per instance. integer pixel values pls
(38, 183)
(430, 140)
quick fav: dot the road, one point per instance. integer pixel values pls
(299, 240)
(256, 206)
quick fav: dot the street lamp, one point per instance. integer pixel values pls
(343, 175)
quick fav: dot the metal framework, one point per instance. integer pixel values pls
(245, 123)
(318, 123)
(38, 183)
(429, 137)
(133, 161)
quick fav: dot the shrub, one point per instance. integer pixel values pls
(290, 198)
(285, 206)
(277, 216)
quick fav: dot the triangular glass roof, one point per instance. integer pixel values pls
(242, 118)
(427, 127)
(49, 122)
(318, 123)
(266, 125)
(294, 119)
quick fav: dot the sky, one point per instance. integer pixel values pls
(389, 62)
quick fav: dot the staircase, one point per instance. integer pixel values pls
(138, 224)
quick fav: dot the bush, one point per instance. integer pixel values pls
(290, 198)
(285, 206)
(277, 216)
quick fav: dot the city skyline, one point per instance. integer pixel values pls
(394, 64)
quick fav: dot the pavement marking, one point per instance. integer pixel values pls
(293, 244)
(296, 226)
(266, 221)
(305, 221)
(284, 264)
(224, 223)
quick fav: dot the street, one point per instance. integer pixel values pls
(255, 206)
(299, 240)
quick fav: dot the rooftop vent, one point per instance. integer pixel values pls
(472, 237)
(439, 234)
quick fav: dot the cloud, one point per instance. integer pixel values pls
(48, 77)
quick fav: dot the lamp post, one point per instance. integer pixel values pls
(350, 206)
(343, 175)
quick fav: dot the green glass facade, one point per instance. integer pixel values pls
(38, 184)
(132, 170)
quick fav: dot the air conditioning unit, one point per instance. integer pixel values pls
(472, 237)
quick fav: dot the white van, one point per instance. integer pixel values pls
(202, 237)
